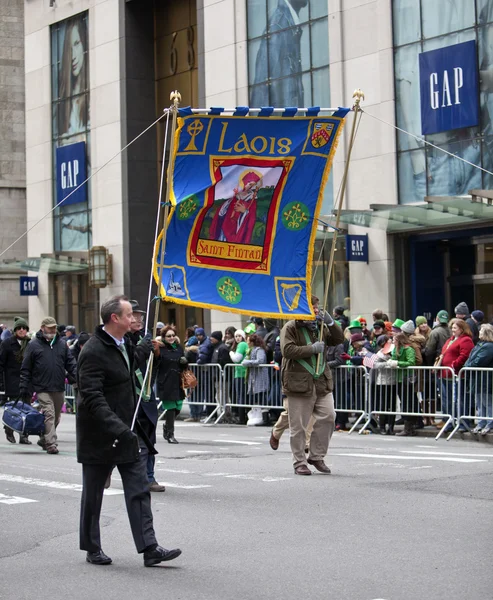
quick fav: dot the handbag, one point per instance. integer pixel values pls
(188, 379)
(23, 418)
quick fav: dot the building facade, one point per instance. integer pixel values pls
(98, 73)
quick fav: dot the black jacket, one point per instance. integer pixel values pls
(270, 343)
(169, 385)
(10, 366)
(106, 402)
(44, 366)
(205, 352)
(220, 355)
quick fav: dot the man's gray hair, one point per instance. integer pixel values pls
(112, 306)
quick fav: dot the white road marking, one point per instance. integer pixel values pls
(400, 457)
(4, 499)
(199, 451)
(238, 442)
(274, 479)
(241, 476)
(58, 485)
(185, 487)
(215, 474)
(184, 471)
(446, 453)
(423, 467)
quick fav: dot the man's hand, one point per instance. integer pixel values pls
(318, 347)
(325, 316)
(127, 438)
(156, 345)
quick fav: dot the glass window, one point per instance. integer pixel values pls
(318, 8)
(412, 176)
(449, 40)
(408, 96)
(320, 43)
(407, 22)
(257, 68)
(487, 152)
(256, 18)
(450, 177)
(321, 87)
(485, 38)
(445, 16)
(485, 11)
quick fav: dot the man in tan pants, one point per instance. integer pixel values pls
(282, 424)
(307, 384)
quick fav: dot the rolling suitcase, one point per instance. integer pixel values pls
(23, 418)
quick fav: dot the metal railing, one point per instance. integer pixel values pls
(474, 400)
(351, 392)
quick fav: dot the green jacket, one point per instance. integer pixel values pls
(406, 358)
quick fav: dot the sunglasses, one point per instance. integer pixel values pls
(169, 335)
(21, 327)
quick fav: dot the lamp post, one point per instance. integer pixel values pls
(100, 267)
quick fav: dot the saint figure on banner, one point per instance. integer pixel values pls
(235, 220)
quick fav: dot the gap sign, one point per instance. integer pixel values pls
(357, 248)
(448, 79)
(29, 286)
(70, 173)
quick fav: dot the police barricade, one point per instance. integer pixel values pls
(70, 396)
(251, 387)
(474, 401)
(411, 392)
(205, 400)
(350, 393)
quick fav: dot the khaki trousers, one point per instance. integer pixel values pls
(283, 423)
(300, 410)
(51, 406)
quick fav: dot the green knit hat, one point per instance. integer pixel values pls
(355, 324)
(421, 321)
(442, 316)
(20, 322)
(397, 324)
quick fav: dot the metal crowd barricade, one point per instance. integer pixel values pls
(208, 392)
(261, 387)
(351, 391)
(413, 392)
(474, 398)
(71, 396)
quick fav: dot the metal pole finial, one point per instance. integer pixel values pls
(358, 95)
(175, 97)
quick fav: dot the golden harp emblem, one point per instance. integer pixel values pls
(291, 293)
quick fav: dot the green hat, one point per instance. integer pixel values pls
(397, 324)
(250, 328)
(20, 322)
(355, 324)
(442, 316)
(421, 321)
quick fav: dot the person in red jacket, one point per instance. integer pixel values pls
(454, 354)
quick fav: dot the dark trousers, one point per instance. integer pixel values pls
(137, 499)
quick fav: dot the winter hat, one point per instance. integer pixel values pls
(362, 320)
(240, 332)
(380, 324)
(397, 324)
(200, 331)
(357, 337)
(49, 322)
(478, 315)
(20, 322)
(442, 316)
(217, 335)
(421, 321)
(339, 310)
(388, 326)
(83, 338)
(355, 324)
(159, 325)
(382, 340)
(250, 328)
(461, 309)
(408, 327)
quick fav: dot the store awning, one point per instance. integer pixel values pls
(53, 265)
(435, 212)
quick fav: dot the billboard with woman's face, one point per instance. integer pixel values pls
(71, 126)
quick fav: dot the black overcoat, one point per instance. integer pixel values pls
(106, 403)
(10, 365)
(169, 385)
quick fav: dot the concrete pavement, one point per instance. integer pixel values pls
(398, 519)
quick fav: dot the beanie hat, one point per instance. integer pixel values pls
(240, 332)
(159, 325)
(380, 324)
(362, 320)
(357, 337)
(250, 328)
(461, 309)
(408, 327)
(381, 340)
(49, 322)
(217, 335)
(199, 331)
(355, 324)
(338, 310)
(442, 316)
(397, 324)
(478, 315)
(20, 322)
(388, 326)
(421, 321)
(83, 338)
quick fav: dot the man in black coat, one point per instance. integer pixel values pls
(105, 437)
(11, 355)
(46, 361)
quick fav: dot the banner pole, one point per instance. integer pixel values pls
(358, 95)
(175, 97)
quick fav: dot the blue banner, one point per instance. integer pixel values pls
(246, 194)
(449, 88)
(70, 173)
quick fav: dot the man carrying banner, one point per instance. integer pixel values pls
(308, 389)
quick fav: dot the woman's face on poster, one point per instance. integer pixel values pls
(77, 52)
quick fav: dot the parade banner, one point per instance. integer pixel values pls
(245, 197)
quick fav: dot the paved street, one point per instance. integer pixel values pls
(398, 519)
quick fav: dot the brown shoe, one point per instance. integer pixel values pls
(154, 486)
(320, 466)
(302, 470)
(52, 450)
(274, 442)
